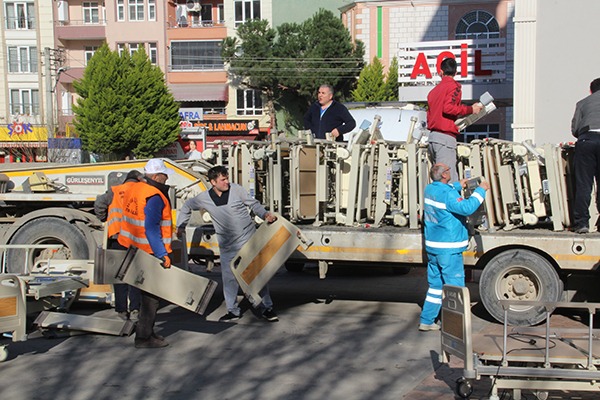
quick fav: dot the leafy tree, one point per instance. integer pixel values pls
(391, 81)
(371, 85)
(293, 59)
(124, 106)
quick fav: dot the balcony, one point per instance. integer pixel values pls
(196, 29)
(80, 30)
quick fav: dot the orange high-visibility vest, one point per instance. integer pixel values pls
(132, 231)
(115, 209)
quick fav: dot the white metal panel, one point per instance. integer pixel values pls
(175, 285)
(260, 258)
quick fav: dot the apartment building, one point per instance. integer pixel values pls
(26, 89)
(49, 43)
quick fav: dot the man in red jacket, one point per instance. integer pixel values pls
(445, 107)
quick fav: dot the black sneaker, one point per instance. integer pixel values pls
(270, 315)
(229, 317)
(582, 230)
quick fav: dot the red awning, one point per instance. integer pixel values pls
(199, 91)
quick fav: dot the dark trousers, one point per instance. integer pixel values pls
(123, 290)
(587, 168)
(145, 325)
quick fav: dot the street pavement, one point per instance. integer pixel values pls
(351, 336)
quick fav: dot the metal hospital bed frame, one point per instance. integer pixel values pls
(538, 359)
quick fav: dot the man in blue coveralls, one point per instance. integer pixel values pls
(446, 237)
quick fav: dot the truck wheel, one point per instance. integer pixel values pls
(519, 275)
(46, 230)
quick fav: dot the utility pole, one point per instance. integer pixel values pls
(49, 94)
(53, 61)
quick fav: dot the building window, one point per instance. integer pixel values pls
(206, 14)
(187, 56)
(249, 102)
(88, 53)
(120, 48)
(480, 131)
(22, 59)
(133, 47)
(20, 15)
(120, 10)
(153, 53)
(246, 10)
(24, 101)
(136, 10)
(91, 12)
(151, 10)
(477, 24)
(220, 13)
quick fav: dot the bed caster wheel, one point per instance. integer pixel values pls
(464, 389)
(541, 395)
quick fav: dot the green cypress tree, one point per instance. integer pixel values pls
(124, 106)
(371, 85)
(391, 81)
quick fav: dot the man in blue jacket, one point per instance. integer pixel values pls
(446, 237)
(328, 116)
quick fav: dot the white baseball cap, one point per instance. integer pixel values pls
(157, 166)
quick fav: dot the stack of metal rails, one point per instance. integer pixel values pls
(378, 183)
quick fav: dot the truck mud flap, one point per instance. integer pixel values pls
(13, 311)
(260, 258)
(107, 326)
(175, 285)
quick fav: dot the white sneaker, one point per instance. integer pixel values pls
(134, 315)
(429, 327)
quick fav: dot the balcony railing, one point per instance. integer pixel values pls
(19, 23)
(81, 22)
(196, 67)
(194, 23)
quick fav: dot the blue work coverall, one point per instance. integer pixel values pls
(446, 237)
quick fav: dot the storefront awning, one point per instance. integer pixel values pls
(199, 91)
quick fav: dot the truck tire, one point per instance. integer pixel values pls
(519, 274)
(46, 230)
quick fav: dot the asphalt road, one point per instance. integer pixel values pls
(351, 336)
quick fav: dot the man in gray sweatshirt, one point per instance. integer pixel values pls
(228, 205)
(585, 126)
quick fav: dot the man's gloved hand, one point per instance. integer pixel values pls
(165, 262)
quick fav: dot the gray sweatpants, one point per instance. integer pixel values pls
(231, 286)
(442, 149)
